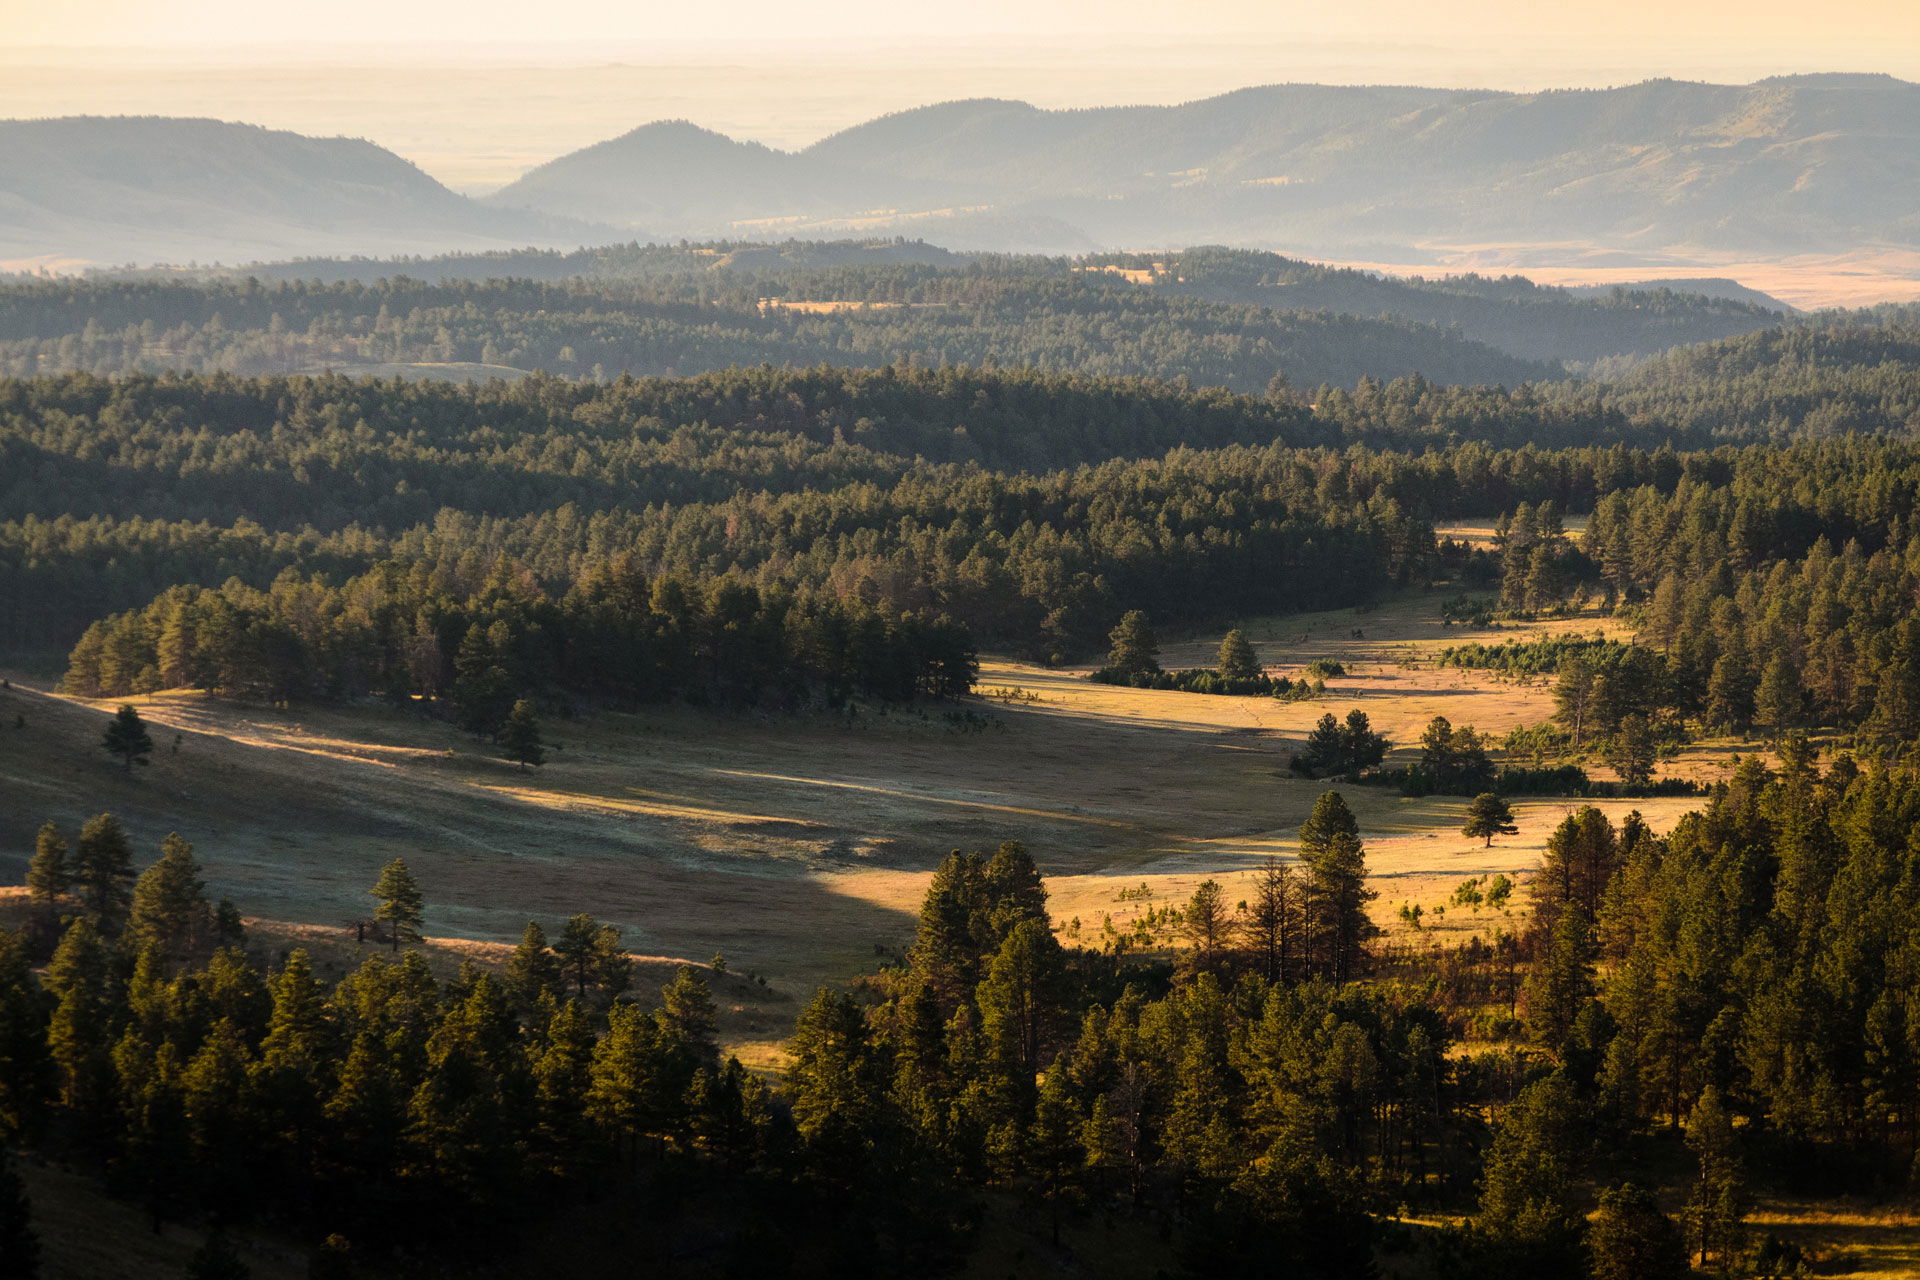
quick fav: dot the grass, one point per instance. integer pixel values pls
(798, 846)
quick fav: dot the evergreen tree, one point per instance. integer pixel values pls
(1778, 702)
(81, 1034)
(401, 908)
(1338, 924)
(19, 1245)
(482, 686)
(1330, 817)
(1020, 999)
(1237, 660)
(48, 876)
(1208, 924)
(1629, 1238)
(1274, 921)
(1563, 984)
(592, 958)
(1134, 650)
(1056, 1155)
(126, 738)
(103, 871)
(1527, 1189)
(1631, 753)
(1489, 816)
(1717, 1207)
(520, 736)
(533, 971)
(26, 1069)
(169, 912)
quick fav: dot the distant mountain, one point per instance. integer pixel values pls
(157, 189)
(673, 174)
(1784, 166)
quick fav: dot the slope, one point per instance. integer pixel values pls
(152, 188)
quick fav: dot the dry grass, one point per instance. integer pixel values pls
(797, 846)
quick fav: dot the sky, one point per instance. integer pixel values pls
(1823, 28)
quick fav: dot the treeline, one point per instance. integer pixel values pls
(615, 636)
(394, 1116)
(1057, 320)
(1759, 959)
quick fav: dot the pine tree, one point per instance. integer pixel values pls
(401, 907)
(103, 871)
(1338, 925)
(1527, 1188)
(1134, 651)
(1274, 919)
(520, 736)
(1778, 702)
(1237, 660)
(1563, 984)
(19, 1245)
(126, 737)
(1717, 1207)
(80, 1036)
(1330, 817)
(1629, 1238)
(26, 1069)
(48, 879)
(592, 958)
(1631, 752)
(1055, 1153)
(1207, 922)
(169, 911)
(1020, 1000)
(1325, 752)
(1489, 816)
(533, 970)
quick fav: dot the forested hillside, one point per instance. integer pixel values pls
(1267, 307)
(912, 316)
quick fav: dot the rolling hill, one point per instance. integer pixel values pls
(1789, 165)
(99, 189)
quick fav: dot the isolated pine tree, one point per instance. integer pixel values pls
(520, 736)
(1489, 816)
(126, 738)
(401, 907)
(1237, 660)
(1135, 651)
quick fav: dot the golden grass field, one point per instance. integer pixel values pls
(799, 846)
(794, 845)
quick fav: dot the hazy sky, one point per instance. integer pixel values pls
(1815, 28)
